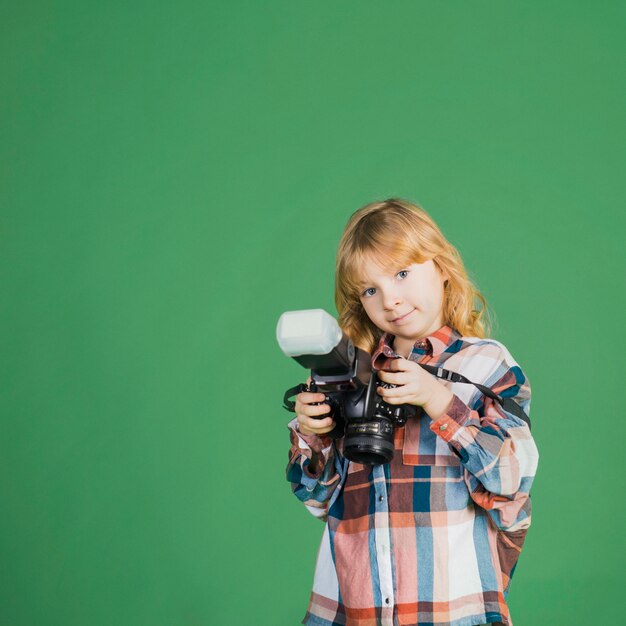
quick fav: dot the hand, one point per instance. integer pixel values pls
(306, 412)
(415, 384)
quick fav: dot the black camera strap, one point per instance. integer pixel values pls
(288, 404)
(508, 404)
(385, 352)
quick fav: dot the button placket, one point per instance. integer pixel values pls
(383, 545)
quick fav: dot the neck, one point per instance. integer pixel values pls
(403, 349)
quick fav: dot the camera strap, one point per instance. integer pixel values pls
(385, 352)
(508, 404)
(288, 404)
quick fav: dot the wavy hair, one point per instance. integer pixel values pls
(395, 233)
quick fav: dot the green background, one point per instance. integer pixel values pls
(173, 176)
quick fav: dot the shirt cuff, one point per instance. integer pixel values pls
(317, 443)
(454, 418)
(306, 446)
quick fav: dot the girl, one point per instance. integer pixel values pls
(432, 537)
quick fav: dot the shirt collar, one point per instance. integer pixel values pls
(435, 344)
(442, 339)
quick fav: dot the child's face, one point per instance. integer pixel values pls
(413, 293)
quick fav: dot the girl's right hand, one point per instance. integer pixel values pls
(306, 412)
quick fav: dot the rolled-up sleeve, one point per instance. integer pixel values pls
(495, 447)
(313, 469)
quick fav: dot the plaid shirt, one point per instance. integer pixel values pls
(432, 537)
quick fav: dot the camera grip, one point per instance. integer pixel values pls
(335, 414)
(312, 388)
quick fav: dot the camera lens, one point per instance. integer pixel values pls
(369, 441)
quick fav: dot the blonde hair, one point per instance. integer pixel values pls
(395, 233)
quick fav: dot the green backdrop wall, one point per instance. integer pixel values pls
(173, 176)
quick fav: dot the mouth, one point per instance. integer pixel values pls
(399, 319)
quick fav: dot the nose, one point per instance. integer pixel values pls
(391, 299)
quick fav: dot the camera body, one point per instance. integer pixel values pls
(344, 374)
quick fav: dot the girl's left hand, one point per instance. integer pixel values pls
(415, 384)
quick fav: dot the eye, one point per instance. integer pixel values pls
(371, 290)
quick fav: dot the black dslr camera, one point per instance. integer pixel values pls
(344, 374)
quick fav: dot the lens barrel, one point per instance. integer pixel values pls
(369, 441)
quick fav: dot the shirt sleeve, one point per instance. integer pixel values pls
(313, 487)
(495, 447)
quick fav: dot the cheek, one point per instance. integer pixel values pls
(431, 298)
(437, 296)
(369, 308)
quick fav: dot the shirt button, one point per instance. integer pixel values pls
(443, 427)
(386, 600)
(381, 498)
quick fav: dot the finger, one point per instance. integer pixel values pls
(392, 364)
(397, 392)
(307, 397)
(301, 406)
(395, 364)
(400, 399)
(314, 422)
(324, 431)
(400, 388)
(392, 400)
(311, 410)
(316, 426)
(395, 378)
